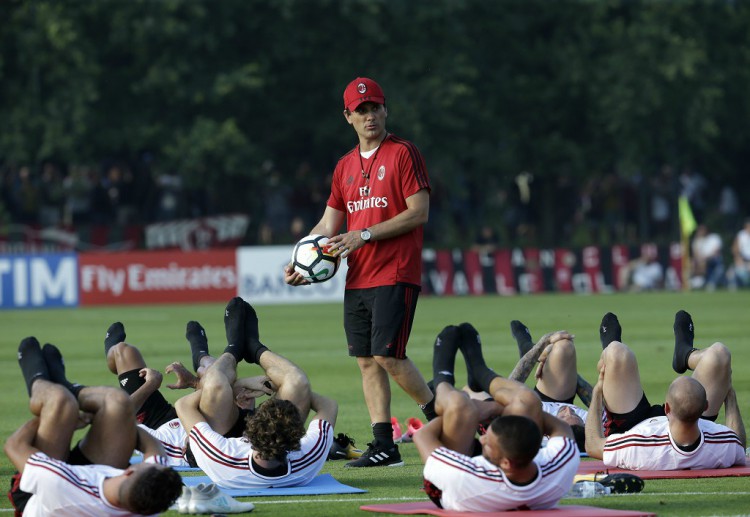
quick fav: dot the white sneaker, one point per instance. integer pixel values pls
(207, 498)
(181, 505)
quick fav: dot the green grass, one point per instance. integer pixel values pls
(313, 337)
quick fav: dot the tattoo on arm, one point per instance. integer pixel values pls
(524, 366)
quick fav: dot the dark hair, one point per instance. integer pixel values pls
(154, 490)
(275, 429)
(519, 437)
(579, 433)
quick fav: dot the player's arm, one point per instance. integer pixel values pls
(416, 214)
(20, 445)
(594, 431)
(328, 226)
(537, 355)
(151, 382)
(148, 445)
(428, 438)
(732, 416)
(188, 410)
(325, 408)
(553, 426)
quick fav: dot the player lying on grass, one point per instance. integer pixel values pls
(681, 433)
(510, 471)
(276, 449)
(557, 379)
(94, 478)
(153, 412)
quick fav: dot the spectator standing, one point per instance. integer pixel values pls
(741, 255)
(708, 262)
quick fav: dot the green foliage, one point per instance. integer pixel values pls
(311, 335)
(486, 89)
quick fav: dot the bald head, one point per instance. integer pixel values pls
(687, 399)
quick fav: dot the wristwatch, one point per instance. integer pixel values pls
(365, 235)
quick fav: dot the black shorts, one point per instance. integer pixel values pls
(378, 320)
(155, 411)
(616, 423)
(545, 398)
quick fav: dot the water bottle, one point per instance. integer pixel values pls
(587, 489)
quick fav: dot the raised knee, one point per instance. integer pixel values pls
(61, 398)
(617, 353)
(565, 348)
(116, 400)
(720, 354)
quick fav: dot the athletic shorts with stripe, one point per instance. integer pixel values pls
(378, 320)
(173, 438)
(227, 460)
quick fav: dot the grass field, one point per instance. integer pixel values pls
(312, 336)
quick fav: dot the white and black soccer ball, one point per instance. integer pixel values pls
(310, 259)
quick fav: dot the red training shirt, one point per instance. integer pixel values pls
(396, 171)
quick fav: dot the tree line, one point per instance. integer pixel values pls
(214, 91)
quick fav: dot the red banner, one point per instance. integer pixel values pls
(157, 277)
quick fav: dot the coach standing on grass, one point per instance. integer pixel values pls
(382, 191)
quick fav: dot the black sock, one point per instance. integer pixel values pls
(444, 355)
(471, 349)
(115, 334)
(522, 335)
(610, 330)
(56, 368)
(234, 325)
(253, 350)
(484, 377)
(480, 375)
(684, 335)
(196, 336)
(429, 409)
(31, 361)
(253, 347)
(383, 434)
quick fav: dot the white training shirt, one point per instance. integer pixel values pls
(553, 408)
(66, 490)
(227, 460)
(476, 485)
(743, 244)
(649, 446)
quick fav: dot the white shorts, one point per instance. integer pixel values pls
(174, 440)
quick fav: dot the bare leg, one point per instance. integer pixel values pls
(460, 418)
(408, 377)
(217, 396)
(622, 388)
(57, 410)
(376, 388)
(111, 438)
(291, 382)
(712, 367)
(559, 374)
(123, 357)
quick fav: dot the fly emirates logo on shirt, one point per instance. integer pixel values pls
(366, 201)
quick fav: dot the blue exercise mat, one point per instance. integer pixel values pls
(321, 484)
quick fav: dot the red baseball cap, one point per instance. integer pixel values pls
(362, 90)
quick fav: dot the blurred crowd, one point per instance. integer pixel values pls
(502, 211)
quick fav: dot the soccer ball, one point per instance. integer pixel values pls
(310, 259)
